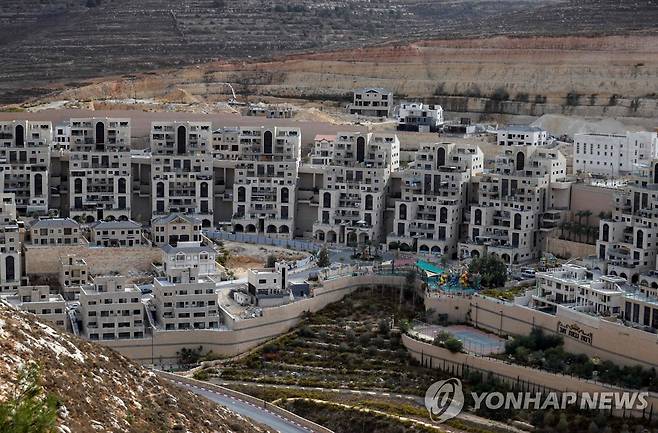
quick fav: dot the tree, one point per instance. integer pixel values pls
(492, 270)
(454, 345)
(586, 215)
(323, 258)
(28, 408)
(271, 261)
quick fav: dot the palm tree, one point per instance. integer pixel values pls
(579, 214)
(563, 227)
(603, 215)
(568, 227)
(579, 231)
(592, 231)
(587, 214)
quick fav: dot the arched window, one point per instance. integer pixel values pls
(478, 217)
(520, 161)
(267, 142)
(326, 200)
(242, 194)
(100, 133)
(159, 190)
(368, 202)
(403, 211)
(204, 189)
(181, 140)
(440, 157)
(606, 232)
(38, 184)
(360, 149)
(122, 185)
(655, 173)
(285, 195)
(639, 240)
(77, 186)
(443, 215)
(20, 136)
(10, 271)
(517, 221)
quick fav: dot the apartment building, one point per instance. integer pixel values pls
(10, 247)
(353, 197)
(182, 169)
(522, 200)
(419, 117)
(521, 135)
(99, 169)
(628, 242)
(268, 287)
(117, 233)
(323, 149)
(184, 293)
(574, 287)
(174, 228)
(265, 180)
(38, 300)
(434, 198)
(372, 101)
(613, 154)
(54, 232)
(73, 273)
(25, 164)
(111, 309)
(62, 137)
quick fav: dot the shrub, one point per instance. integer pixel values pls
(454, 345)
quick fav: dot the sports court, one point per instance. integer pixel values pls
(475, 341)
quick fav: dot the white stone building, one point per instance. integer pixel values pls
(353, 197)
(268, 287)
(435, 195)
(519, 203)
(174, 228)
(25, 164)
(10, 246)
(419, 117)
(628, 242)
(189, 260)
(38, 300)
(265, 183)
(613, 154)
(73, 273)
(99, 169)
(118, 233)
(54, 232)
(521, 135)
(182, 169)
(323, 150)
(111, 309)
(372, 101)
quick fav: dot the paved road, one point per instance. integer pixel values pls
(249, 410)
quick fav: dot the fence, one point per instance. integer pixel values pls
(293, 244)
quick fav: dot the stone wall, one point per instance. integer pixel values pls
(569, 249)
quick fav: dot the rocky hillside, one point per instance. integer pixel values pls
(60, 41)
(100, 391)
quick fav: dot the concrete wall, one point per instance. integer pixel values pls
(592, 198)
(609, 341)
(564, 248)
(244, 334)
(438, 357)
(45, 260)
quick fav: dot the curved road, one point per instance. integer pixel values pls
(256, 413)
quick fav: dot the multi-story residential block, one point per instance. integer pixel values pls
(265, 183)
(182, 169)
(352, 200)
(519, 203)
(25, 164)
(521, 135)
(184, 294)
(323, 150)
(100, 169)
(435, 195)
(372, 101)
(572, 286)
(613, 154)
(174, 228)
(10, 247)
(38, 300)
(268, 287)
(73, 273)
(117, 233)
(628, 242)
(54, 232)
(111, 309)
(419, 117)
(62, 136)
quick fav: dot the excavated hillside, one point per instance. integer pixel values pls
(101, 391)
(46, 44)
